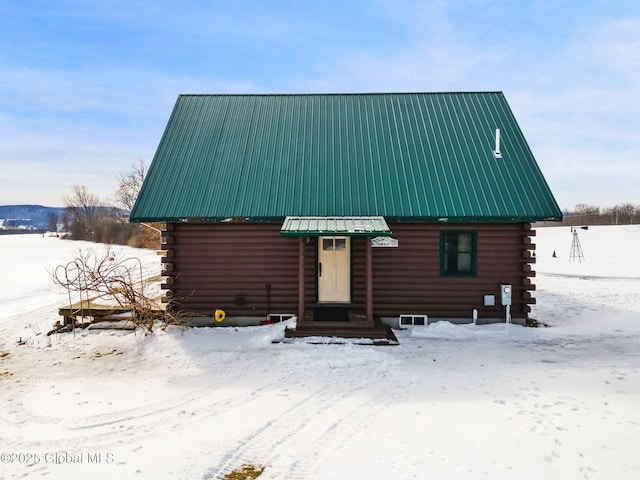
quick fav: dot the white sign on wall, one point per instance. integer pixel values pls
(384, 242)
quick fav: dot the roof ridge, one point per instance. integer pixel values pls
(273, 94)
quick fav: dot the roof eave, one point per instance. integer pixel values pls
(389, 218)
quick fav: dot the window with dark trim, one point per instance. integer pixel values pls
(458, 254)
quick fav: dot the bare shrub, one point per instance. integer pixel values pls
(113, 279)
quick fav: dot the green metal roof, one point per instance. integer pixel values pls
(404, 156)
(327, 226)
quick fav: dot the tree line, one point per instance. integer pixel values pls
(88, 217)
(585, 214)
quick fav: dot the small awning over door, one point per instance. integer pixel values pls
(335, 226)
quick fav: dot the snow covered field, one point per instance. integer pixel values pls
(450, 402)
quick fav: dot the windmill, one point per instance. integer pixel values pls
(576, 248)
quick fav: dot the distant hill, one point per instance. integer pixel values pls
(20, 218)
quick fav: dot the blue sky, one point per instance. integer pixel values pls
(86, 87)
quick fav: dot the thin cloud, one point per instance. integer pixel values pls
(616, 46)
(82, 131)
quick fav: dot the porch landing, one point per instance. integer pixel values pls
(377, 335)
(345, 324)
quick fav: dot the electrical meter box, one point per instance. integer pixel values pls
(505, 294)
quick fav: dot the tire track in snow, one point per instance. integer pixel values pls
(132, 424)
(324, 420)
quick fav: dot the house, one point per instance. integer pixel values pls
(347, 210)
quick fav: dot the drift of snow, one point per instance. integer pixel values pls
(496, 401)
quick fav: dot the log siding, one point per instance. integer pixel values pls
(228, 265)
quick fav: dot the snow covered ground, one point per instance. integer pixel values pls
(449, 402)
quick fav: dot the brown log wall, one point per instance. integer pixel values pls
(219, 265)
(213, 265)
(407, 279)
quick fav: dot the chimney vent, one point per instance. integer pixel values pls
(497, 153)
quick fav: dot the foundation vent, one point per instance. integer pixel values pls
(409, 321)
(280, 317)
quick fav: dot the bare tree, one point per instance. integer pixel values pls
(88, 217)
(623, 213)
(82, 209)
(142, 235)
(129, 185)
(585, 209)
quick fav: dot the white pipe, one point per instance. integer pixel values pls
(497, 152)
(508, 318)
(475, 316)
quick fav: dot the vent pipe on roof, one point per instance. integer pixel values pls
(497, 152)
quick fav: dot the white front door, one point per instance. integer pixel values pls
(334, 269)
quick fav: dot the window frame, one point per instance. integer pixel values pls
(473, 272)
